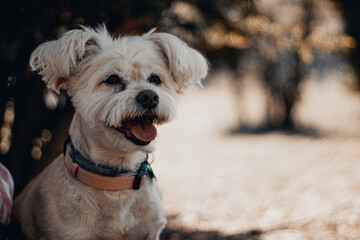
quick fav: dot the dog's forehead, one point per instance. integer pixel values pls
(129, 57)
(132, 57)
(134, 48)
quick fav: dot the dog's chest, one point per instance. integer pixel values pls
(119, 211)
(119, 215)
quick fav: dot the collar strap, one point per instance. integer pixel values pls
(89, 165)
(125, 180)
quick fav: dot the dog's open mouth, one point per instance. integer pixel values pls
(140, 131)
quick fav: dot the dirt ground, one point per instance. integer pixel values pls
(218, 185)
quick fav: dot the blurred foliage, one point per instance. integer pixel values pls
(276, 41)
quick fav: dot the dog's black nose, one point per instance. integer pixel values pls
(148, 98)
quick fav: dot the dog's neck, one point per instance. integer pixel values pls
(96, 148)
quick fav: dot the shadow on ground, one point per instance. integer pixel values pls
(266, 129)
(179, 234)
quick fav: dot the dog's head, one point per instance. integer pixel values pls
(123, 86)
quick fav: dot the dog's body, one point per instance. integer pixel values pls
(120, 87)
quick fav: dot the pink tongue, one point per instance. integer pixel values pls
(142, 129)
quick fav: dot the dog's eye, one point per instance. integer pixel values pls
(114, 80)
(154, 79)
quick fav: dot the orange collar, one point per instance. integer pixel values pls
(100, 182)
(117, 183)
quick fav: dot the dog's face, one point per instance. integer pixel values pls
(121, 87)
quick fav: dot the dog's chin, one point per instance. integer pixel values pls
(137, 134)
(119, 143)
(132, 138)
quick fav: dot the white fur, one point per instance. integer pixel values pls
(186, 65)
(81, 60)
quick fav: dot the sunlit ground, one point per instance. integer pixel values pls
(218, 185)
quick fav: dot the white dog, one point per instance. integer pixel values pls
(121, 88)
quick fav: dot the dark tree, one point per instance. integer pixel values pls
(283, 40)
(350, 11)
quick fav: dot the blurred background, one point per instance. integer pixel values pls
(268, 149)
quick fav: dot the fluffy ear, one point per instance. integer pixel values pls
(55, 60)
(188, 67)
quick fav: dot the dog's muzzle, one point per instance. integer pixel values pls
(141, 130)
